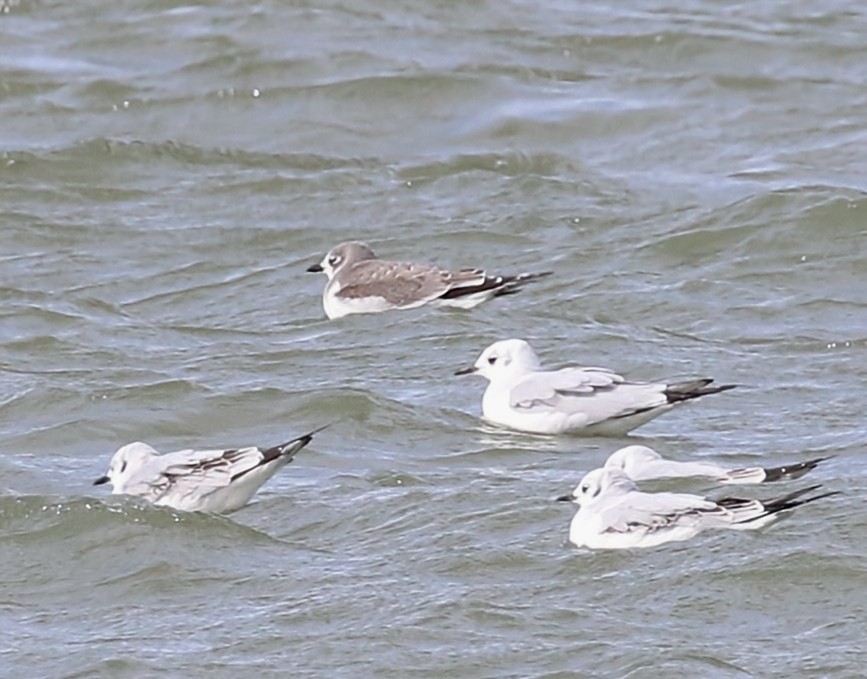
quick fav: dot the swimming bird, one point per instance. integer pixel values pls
(642, 464)
(218, 481)
(614, 514)
(596, 401)
(361, 283)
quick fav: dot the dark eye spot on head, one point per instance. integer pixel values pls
(123, 467)
(585, 488)
(492, 359)
(334, 260)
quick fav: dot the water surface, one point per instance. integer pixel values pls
(694, 174)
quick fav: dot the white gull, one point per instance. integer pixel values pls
(218, 481)
(596, 401)
(614, 514)
(643, 464)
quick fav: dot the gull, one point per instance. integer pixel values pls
(614, 514)
(642, 464)
(218, 481)
(361, 283)
(596, 401)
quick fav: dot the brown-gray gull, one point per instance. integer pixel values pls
(361, 283)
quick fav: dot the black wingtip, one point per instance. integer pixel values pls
(781, 507)
(307, 438)
(497, 285)
(791, 500)
(304, 440)
(685, 391)
(509, 285)
(792, 471)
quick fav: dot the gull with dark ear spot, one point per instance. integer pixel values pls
(594, 401)
(643, 464)
(361, 283)
(614, 514)
(218, 481)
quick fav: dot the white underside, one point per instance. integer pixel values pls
(606, 420)
(583, 535)
(337, 307)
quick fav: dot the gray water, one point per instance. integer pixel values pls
(694, 173)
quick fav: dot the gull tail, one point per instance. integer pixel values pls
(684, 391)
(793, 471)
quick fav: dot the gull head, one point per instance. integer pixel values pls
(597, 484)
(505, 359)
(125, 463)
(627, 458)
(340, 256)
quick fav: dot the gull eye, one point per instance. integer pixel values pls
(492, 359)
(585, 488)
(334, 260)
